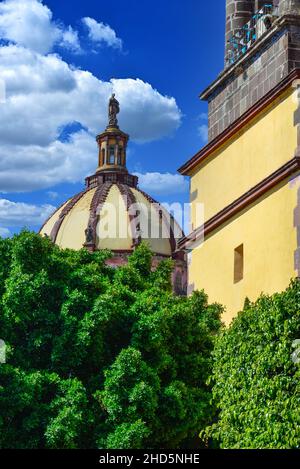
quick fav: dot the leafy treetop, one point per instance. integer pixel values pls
(99, 357)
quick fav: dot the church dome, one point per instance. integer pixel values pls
(113, 213)
(103, 217)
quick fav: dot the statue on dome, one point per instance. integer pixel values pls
(113, 110)
(89, 235)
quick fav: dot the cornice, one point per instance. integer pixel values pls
(242, 202)
(236, 126)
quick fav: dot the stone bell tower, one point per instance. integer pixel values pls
(262, 47)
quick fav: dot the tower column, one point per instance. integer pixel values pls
(238, 13)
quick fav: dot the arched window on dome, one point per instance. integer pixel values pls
(111, 155)
(102, 157)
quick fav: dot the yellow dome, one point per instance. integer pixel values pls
(113, 216)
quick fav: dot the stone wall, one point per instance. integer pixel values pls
(253, 77)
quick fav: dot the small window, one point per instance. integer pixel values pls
(239, 263)
(103, 156)
(111, 159)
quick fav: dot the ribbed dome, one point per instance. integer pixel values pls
(113, 216)
(113, 213)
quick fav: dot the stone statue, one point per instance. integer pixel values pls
(89, 235)
(113, 110)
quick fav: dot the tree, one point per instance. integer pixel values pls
(256, 381)
(99, 357)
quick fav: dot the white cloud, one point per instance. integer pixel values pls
(163, 183)
(16, 214)
(4, 232)
(145, 114)
(102, 33)
(43, 95)
(70, 40)
(53, 195)
(29, 23)
(203, 132)
(33, 167)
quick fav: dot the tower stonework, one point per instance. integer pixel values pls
(256, 70)
(237, 14)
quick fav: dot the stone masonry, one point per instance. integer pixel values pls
(263, 66)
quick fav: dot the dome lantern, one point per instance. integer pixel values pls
(112, 145)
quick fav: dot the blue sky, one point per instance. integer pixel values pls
(156, 55)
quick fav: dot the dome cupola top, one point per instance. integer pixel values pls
(112, 145)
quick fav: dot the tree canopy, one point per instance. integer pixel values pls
(256, 381)
(99, 357)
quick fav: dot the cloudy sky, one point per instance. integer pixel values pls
(60, 62)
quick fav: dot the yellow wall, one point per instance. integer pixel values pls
(266, 229)
(254, 153)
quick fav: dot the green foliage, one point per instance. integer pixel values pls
(99, 357)
(5, 256)
(256, 382)
(128, 435)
